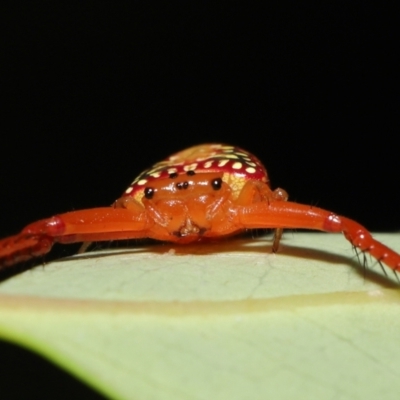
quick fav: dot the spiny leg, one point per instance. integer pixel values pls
(86, 225)
(255, 192)
(280, 214)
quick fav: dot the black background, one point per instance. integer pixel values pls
(94, 92)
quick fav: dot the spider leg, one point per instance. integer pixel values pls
(84, 247)
(254, 192)
(77, 226)
(280, 214)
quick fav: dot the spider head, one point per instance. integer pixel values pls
(186, 204)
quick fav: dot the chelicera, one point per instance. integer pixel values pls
(206, 191)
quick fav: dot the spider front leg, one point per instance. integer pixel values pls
(255, 192)
(279, 214)
(77, 226)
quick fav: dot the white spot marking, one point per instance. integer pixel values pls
(172, 170)
(156, 174)
(250, 170)
(237, 165)
(208, 164)
(222, 163)
(142, 182)
(190, 167)
(129, 190)
(251, 164)
(231, 156)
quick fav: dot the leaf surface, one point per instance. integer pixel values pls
(224, 320)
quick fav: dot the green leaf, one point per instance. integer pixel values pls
(227, 320)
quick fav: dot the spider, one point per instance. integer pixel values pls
(206, 191)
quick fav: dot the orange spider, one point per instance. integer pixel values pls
(206, 191)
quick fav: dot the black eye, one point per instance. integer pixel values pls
(182, 185)
(173, 175)
(190, 173)
(216, 183)
(149, 193)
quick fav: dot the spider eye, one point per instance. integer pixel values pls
(216, 183)
(173, 175)
(149, 193)
(190, 173)
(182, 185)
